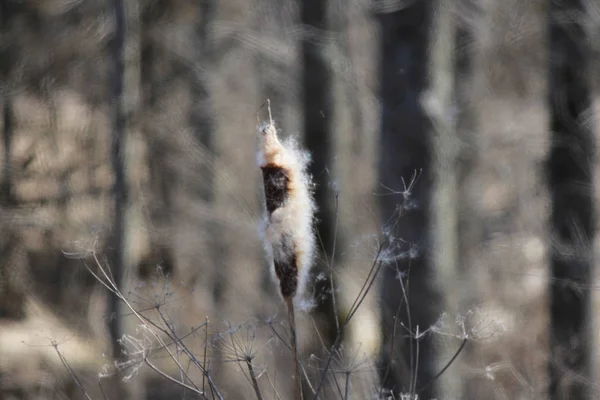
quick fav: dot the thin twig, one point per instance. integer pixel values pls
(416, 372)
(347, 388)
(393, 342)
(364, 290)
(192, 357)
(205, 350)
(161, 373)
(275, 392)
(333, 377)
(448, 364)
(71, 372)
(409, 319)
(143, 320)
(280, 337)
(102, 389)
(331, 282)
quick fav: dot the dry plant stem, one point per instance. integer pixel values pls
(306, 377)
(275, 392)
(253, 379)
(204, 371)
(102, 390)
(333, 375)
(448, 364)
(112, 288)
(294, 344)
(161, 373)
(71, 372)
(364, 290)
(393, 341)
(331, 282)
(409, 319)
(141, 318)
(205, 348)
(336, 382)
(347, 387)
(178, 342)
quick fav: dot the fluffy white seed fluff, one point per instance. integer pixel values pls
(288, 230)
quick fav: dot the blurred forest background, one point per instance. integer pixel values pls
(457, 137)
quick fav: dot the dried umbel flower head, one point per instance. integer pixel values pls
(289, 209)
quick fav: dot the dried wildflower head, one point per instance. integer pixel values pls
(289, 209)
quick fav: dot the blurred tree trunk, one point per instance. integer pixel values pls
(202, 121)
(159, 170)
(201, 112)
(120, 193)
(571, 163)
(317, 106)
(405, 149)
(318, 112)
(468, 227)
(162, 178)
(6, 186)
(6, 190)
(11, 261)
(440, 104)
(124, 93)
(342, 24)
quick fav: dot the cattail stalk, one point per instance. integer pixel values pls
(288, 221)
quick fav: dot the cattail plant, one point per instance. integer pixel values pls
(288, 221)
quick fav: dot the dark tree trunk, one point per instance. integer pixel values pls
(318, 108)
(318, 112)
(570, 178)
(405, 150)
(317, 105)
(11, 295)
(6, 190)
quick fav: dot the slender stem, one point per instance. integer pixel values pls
(332, 285)
(347, 388)
(112, 287)
(253, 379)
(364, 290)
(414, 384)
(294, 343)
(71, 372)
(170, 378)
(205, 349)
(448, 364)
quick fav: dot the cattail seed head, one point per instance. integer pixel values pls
(289, 210)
